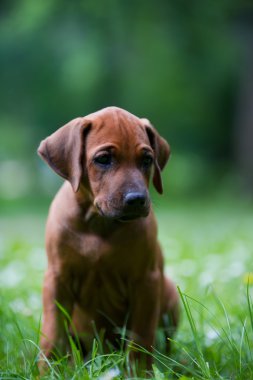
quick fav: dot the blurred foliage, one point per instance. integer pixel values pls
(176, 63)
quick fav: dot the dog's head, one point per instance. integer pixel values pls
(113, 154)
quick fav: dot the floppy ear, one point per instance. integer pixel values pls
(63, 151)
(162, 153)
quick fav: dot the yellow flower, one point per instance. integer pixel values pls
(248, 278)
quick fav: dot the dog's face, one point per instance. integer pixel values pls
(113, 153)
(119, 160)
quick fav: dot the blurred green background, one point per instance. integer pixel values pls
(185, 65)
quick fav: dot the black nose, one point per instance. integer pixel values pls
(135, 199)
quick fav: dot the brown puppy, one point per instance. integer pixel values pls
(105, 266)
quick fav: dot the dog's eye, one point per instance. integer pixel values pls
(147, 161)
(103, 159)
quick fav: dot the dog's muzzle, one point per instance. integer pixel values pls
(133, 205)
(136, 204)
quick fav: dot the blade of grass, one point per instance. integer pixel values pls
(201, 361)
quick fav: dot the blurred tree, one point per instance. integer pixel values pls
(243, 142)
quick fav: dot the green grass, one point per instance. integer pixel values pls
(208, 248)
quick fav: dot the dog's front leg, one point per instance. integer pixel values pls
(145, 316)
(54, 335)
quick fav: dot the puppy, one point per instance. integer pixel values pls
(105, 265)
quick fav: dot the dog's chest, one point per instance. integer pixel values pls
(93, 247)
(117, 252)
(104, 270)
(84, 249)
(103, 291)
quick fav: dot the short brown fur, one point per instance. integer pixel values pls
(105, 265)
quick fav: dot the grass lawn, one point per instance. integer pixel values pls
(208, 247)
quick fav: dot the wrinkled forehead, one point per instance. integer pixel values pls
(118, 128)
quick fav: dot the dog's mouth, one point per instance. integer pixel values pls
(122, 217)
(135, 214)
(129, 218)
